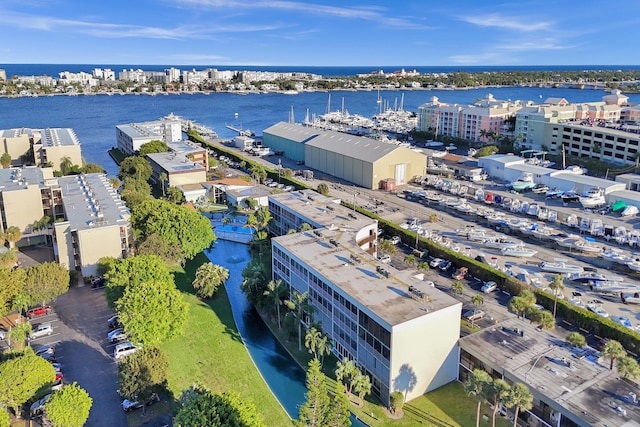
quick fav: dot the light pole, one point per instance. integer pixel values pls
(279, 169)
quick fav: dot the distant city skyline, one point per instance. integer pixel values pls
(320, 33)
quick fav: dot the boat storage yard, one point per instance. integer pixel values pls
(532, 236)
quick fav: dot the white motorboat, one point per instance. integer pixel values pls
(477, 235)
(515, 206)
(543, 213)
(584, 225)
(497, 218)
(560, 267)
(499, 242)
(620, 235)
(452, 202)
(519, 251)
(515, 224)
(523, 183)
(593, 198)
(463, 191)
(572, 221)
(479, 195)
(466, 230)
(553, 216)
(597, 309)
(530, 229)
(570, 242)
(533, 210)
(596, 228)
(544, 233)
(634, 238)
(629, 211)
(588, 247)
(465, 208)
(616, 255)
(634, 265)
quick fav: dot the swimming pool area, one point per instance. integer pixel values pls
(233, 232)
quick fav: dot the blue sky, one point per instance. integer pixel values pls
(321, 33)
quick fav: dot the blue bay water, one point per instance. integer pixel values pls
(94, 118)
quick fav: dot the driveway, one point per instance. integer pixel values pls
(86, 355)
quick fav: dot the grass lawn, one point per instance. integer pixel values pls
(211, 352)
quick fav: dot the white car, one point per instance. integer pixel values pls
(395, 240)
(41, 330)
(489, 287)
(117, 335)
(385, 259)
(124, 349)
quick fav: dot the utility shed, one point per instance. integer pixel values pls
(582, 183)
(362, 161)
(289, 138)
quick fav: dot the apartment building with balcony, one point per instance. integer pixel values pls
(41, 146)
(472, 122)
(292, 209)
(95, 223)
(130, 137)
(400, 331)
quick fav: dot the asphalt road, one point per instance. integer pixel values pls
(85, 354)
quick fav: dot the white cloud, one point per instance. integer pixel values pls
(507, 22)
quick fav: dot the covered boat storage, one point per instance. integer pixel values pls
(567, 181)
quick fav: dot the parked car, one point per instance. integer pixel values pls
(39, 311)
(460, 273)
(435, 262)
(117, 335)
(45, 349)
(3, 334)
(41, 330)
(124, 349)
(473, 315)
(395, 240)
(130, 405)
(98, 282)
(445, 266)
(38, 407)
(489, 287)
(385, 259)
(114, 322)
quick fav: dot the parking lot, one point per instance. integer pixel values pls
(79, 335)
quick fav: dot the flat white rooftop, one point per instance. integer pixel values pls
(378, 287)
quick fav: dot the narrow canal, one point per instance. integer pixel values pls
(282, 374)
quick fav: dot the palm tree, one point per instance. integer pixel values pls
(522, 303)
(457, 287)
(613, 350)
(163, 178)
(628, 367)
(208, 279)
(387, 246)
(544, 318)
(576, 339)
(499, 392)
(362, 385)
(423, 265)
(519, 397)
(346, 372)
(311, 341)
(12, 235)
(410, 260)
(275, 292)
(301, 305)
(477, 384)
(305, 227)
(556, 286)
(476, 300)
(65, 165)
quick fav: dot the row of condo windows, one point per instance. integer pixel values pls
(320, 303)
(281, 268)
(342, 318)
(374, 328)
(345, 339)
(374, 343)
(619, 140)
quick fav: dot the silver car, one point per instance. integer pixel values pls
(117, 335)
(41, 330)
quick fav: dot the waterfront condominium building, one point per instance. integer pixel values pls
(41, 146)
(88, 220)
(130, 137)
(571, 387)
(95, 224)
(479, 122)
(402, 332)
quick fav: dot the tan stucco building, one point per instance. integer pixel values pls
(41, 146)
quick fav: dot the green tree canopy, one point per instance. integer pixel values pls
(12, 282)
(133, 271)
(396, 401)
(613, 350)
(154, 146)
(143, 373)
(314, 412)
(478, 384)
(152, 312)
(45, 282)
(21, 377)
(200, 407)
(69, 406)
(576, 339)
(92, 168)
(5, 160)
(135, 167)
(5, 421)
(12, 235)
(176, 225)
(487, 150)
(323, 189)
(154, 244)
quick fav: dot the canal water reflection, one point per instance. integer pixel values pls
(282, 374)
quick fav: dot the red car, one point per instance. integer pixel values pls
(460, 273)
(39, 311)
